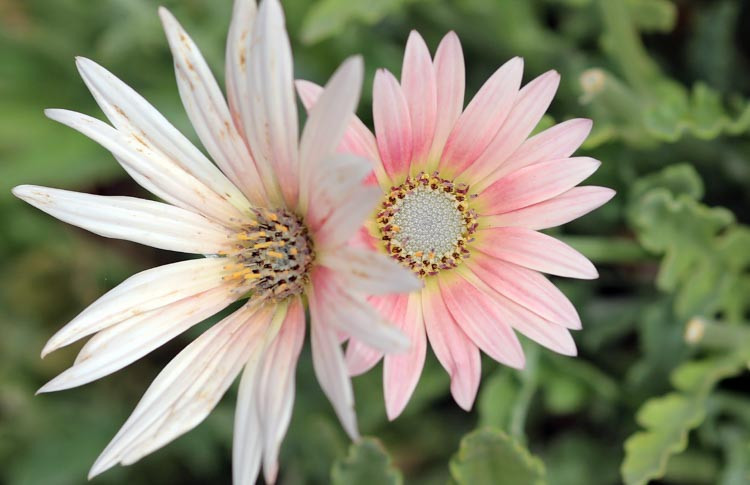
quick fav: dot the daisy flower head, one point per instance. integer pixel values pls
(273, 215)
(465, 192)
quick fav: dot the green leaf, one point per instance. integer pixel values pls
(668, 419)
(489, 456)
(367, 462)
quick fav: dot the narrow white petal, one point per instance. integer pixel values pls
(154, 171)
(347, 218)
(247, 442)
(123, 343)
(273, 131)
(238, 51)
(135, 118)
(339, 177)
(352, 315)
(188, 388)
(370, 272)
(143, 221)
(275, 391)
(141, 293)
(327, 122)
(329, 365)
(208, 112)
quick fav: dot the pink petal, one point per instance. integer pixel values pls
(123, 343)
(401, 371)
(330, 367)
(273, 130)
(554, 212)
(455, 351)
(534, 250)
(533, 100)
(208, 112)
(360, 357)
(147, 222)
(526, 287)
(554, 143)
(475, 312)
(449, 73)
(141, 293)
(357, 139)
(392, 124)
(275, 385)
(482, 118)
(188, 388)
(535, 183)
(347, 218)
(326, 123)
(419, 87)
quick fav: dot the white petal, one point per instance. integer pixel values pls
(238, 50)
(273, 130)
(247, 442)
(143, 221)
(347, 218)
(339, 177)
(275, 391)
(123, 343)
(370, 272)
(327, 122)
(350, 314)
(208, 112)
(330, 367)
(136, 119)
(188, 388)
(152, 169)
(143, 292)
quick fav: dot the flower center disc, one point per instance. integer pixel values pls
(273, 255)
(425, 223)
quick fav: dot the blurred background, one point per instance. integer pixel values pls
(666, 83)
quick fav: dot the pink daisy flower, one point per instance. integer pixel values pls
(274, 218)
(465, 194)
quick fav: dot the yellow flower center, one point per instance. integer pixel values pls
(426, 222)
(272, 256)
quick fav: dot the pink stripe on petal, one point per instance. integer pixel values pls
(554, 212)
(474, 311)
(450, 75)
(534, 250)
(535, 183)
(419, 86)
(401, 371)
(555, 143)
(526, 287)
(482, 118)
(530, 105)
(458, 355)
(392, 124)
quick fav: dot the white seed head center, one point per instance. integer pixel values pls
(429, 221)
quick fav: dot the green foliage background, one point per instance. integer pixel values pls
(666, 83)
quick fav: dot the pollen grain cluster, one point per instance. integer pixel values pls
(426, 222)
(273, 253)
